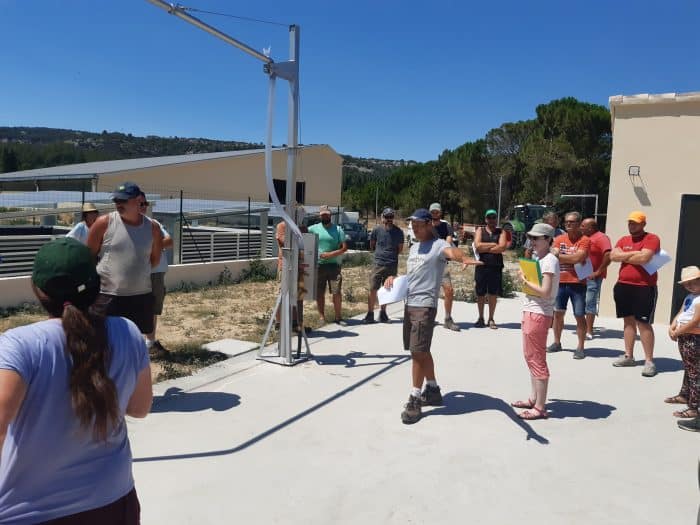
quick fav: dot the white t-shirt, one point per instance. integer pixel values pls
(689, 304)
(545, 305)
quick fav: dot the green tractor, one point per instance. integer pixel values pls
(521, 219)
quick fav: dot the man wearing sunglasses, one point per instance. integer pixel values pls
(490, 242)
(444, 231)
(128, 244)
(573, 247)
(386, 240)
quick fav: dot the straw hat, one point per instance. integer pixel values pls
(689, 273)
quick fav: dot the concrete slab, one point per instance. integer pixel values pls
(322, 442)
(232, 347)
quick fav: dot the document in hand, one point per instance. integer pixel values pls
(396, 293)
(532, 272)
(584, 269)
(657, 261)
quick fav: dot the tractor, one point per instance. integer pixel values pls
(521, 219)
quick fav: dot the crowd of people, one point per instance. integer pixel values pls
(573, 263)
(67, 383)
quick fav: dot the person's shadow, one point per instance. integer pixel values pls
(177, 400)
(565, 408)
(458, 403)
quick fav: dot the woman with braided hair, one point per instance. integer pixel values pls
(66, 384)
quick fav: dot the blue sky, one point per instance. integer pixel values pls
(388, 79)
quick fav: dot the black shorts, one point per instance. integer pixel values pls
(124, 511)
(158, 291)
(637, 301)
(136, 308)
(488, 280)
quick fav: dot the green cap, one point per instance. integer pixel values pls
(64, 269)
(491, 212)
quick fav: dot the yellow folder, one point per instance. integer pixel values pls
(533, 273)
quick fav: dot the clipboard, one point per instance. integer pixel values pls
(396, 293)
(584, 270)
(532, 272)
(656, 262)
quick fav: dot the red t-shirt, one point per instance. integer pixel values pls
(600, 243)
(633, 273)
(583, 243)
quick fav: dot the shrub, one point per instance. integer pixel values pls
(256, 272)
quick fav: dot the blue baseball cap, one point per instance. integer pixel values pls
(126, 191)
(421, 214)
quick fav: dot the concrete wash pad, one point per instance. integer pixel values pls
(247, 441)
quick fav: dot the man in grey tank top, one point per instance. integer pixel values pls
(127, 245)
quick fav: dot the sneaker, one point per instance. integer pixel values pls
(431, 396)
(578, 354)
(369, 318)
(480, 323)
(340, 322)
(649, 370)
(589, 337)
(383, 318)
(554, 347)
(411, 411)
(493, 325)
(158, 351)
(451, 325)
(693, 425)
(625, 360)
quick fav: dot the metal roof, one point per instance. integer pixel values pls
(91, 169)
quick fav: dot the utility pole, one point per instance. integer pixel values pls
(289, 71)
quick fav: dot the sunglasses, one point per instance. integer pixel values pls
(571, 222)
(536, 237)
(490, 216)
(120, 201)
(144, 204)
(388, 216)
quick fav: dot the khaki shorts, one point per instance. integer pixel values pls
(158, 290)
(379, 275)
(328, 277)
(418, 326)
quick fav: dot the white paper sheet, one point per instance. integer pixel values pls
(584, 269)
(657, 261)
(397, 292)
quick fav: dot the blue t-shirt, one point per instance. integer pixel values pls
(79, 232)
(49, 466)
(386, 251)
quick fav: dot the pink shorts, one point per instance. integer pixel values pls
(535, 327)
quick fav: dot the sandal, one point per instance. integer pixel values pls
(523, 404)
(533, 413)
(493, 325)
(687, 413)
(676, 400)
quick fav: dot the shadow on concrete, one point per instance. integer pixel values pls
(509, 326)
(335, 334)
(177, 400)
(609, 334)
(667, 364)
(350, 360)
(459, 403)
(564, 408)
(284, 424)
(602, 352)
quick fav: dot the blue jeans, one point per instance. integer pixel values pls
(593, 295)
(574, 291)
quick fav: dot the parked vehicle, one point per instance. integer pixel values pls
(521, 220)
(356, 235)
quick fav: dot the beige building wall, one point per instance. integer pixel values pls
(238, 177)
(661, 135)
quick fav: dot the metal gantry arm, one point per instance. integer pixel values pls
(288, 70)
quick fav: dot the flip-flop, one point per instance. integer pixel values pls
(686, 414)
(533, 413)
(523, 404)
(676, 400)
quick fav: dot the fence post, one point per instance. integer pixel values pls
(249, 227)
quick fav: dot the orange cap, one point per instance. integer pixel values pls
(637, 216)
